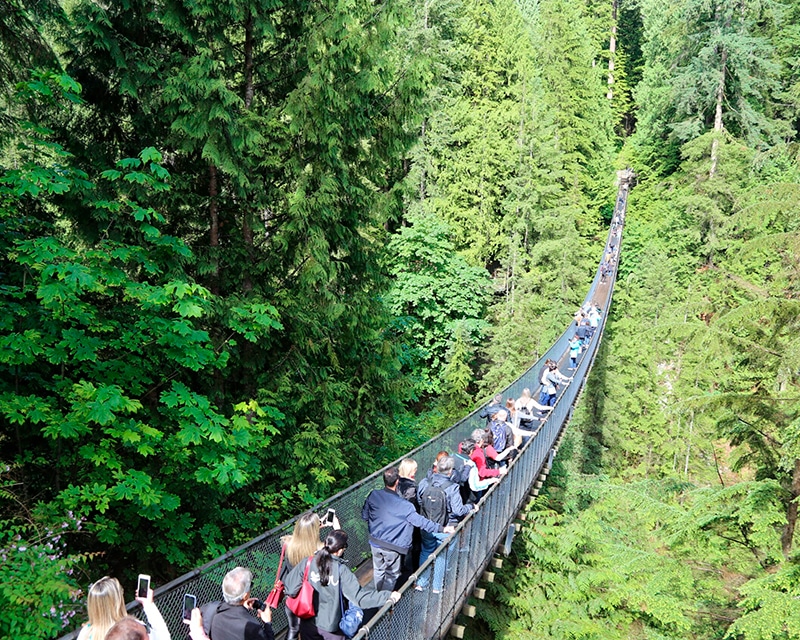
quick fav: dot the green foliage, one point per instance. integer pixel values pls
(706, 61)
(457, 378)
(38, 588)
(579, 576)
(102, 343)
(770, 606)
(435, 295)
(499, 161)
(286, 123)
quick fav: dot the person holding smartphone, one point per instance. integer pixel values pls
(332, 581)
(231, 619)
(129, 627)
(302, 543)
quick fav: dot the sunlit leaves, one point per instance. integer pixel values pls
(435, 293)
(100, 341)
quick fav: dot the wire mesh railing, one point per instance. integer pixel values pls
(426, 614)
(462, 558)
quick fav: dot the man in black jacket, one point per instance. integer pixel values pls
(231, 619)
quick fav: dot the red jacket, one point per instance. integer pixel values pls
(479, 458)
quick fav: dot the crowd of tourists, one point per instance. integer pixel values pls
(407, 521)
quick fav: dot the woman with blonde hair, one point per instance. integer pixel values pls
(105, 605)
(333, 582)
(303, 543)
(407, 489)
(407, 486)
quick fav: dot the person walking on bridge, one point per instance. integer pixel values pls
(440, 500)
(391, 521)
(551, 378)
(333, 582)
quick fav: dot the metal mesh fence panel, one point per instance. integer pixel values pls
(419, 615)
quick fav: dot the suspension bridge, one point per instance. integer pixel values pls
(478, 540)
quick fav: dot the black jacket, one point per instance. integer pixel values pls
(407, 489)
(233, 622)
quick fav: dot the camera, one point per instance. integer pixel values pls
(257, 605)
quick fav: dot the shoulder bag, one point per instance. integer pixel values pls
(276, 595)
(302, 605)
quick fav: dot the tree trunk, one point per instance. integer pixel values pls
(718, 112)
(787, 536)
(612, 49)
(248, 61)
(423, 175)
(688, 446)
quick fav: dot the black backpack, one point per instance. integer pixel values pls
(433, 503)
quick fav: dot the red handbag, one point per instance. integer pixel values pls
(276, 595)
(302, 605)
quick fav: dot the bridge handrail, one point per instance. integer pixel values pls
(426, 615)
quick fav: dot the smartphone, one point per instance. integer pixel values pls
(258, 605)
(143, 586)
(330, 516)
(189, 603)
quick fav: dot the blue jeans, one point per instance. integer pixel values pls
(430, 542)
(546, 399)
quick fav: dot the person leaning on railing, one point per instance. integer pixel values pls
(391, 521)
(477, 485)
(550, 380)
(479, 453)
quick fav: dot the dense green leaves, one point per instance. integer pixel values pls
(101, 340)
(435, 294)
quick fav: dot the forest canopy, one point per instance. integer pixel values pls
(254, 249)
